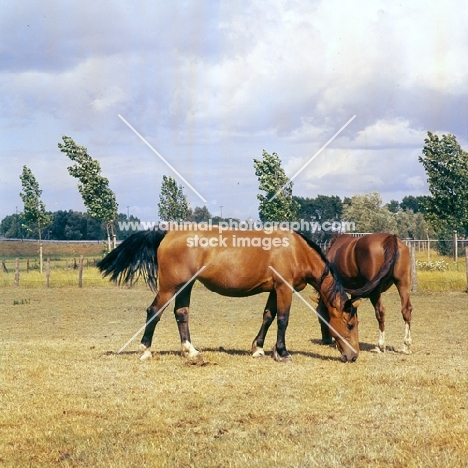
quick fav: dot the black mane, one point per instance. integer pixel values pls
(337, 287)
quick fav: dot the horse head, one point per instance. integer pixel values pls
(340, 316)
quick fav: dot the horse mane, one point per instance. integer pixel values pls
(336, 287)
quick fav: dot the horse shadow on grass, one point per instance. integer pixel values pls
(229, 351)
(366, 347)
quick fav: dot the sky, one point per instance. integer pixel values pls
(209, 85)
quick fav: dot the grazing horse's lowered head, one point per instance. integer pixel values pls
(342, 320)
(343, 326)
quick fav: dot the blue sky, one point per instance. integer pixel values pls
(210, 84)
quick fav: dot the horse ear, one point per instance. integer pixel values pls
(356, 303)
(314, 299)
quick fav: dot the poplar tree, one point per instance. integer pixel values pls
(98, 198)
(173, 204)
(34, 209)
(277, 204)
(446, 166)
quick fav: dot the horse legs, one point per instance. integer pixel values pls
(406, 310)
(153, 316)
(283, 304)
(322, 311)
(181, 313)
(269, 315)
(376, 300)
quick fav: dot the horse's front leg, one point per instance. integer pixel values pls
(283, 304)
(269, 315)
(380, 316)
(322, 311)
(153, 316)
(181, 313)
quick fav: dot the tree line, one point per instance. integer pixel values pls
(438, 214)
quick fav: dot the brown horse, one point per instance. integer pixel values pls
(376, 261)
(233, 263)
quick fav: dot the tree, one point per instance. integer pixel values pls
(416, 204)
(411, 225)
(322, 208)
(173, 204)
(98, 198)
(201, 214)
(394, 206)
(367, 213)
(34, 209)
(446, 166)
(10, 226)
(275, 183)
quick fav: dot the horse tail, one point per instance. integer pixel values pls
(391, 253)
(136, 256)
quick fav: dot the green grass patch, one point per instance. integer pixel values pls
(440, 273)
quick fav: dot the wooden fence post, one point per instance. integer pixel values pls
(414, 280)
(466, 256)
(48, 272)
(80, 272)
(4, 268)
(17, 273)
(455, 246)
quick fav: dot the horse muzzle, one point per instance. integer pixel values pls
(349, 357)
(348, 354)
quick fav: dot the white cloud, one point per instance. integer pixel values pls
(211, 84)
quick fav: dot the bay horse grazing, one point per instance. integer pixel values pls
(378, 261)
(237, 264)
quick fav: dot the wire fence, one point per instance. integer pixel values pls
(431, 271)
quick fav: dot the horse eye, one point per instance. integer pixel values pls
(350, 326)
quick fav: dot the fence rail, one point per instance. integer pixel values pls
(80, 271)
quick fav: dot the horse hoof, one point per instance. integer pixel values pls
(258, 353)
(377, 350)
(283, 359)
(406, 350)
(146, 355)
(195, 360)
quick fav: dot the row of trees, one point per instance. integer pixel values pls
(439, 214)
(366, 211)
(446, 209)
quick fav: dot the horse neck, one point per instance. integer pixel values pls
(328, 291)
(322, 278)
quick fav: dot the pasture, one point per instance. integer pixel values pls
(68, 400)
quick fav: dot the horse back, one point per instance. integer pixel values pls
(360, 260)
(235, 263)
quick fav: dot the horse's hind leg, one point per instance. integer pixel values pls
(376, 300)
(269, 315)
(181, 313)
(153, 316)
(406, 311)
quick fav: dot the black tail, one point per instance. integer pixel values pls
(134, 257)
(391, 253)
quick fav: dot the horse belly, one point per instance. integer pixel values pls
(234, 283)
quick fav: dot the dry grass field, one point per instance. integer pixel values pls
(68, 400)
